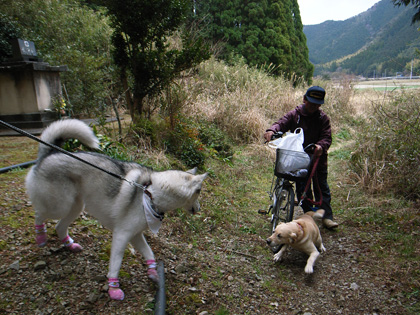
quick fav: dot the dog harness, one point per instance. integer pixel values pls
(154, 219)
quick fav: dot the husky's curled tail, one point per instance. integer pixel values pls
(60, 131)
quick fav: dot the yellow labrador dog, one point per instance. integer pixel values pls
(302, 234)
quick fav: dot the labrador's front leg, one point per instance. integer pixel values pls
(277, 257)
(309, 268)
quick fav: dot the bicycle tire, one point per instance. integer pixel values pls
(283, 207)
(275, 217)
(290, 204)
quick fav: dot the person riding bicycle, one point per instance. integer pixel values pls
(316, 129)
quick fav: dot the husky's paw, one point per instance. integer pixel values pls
(75, 248)
(41, 235)
(71, 245)
(41, 240)
(116, 294)
(152, 275)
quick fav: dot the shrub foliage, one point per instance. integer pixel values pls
(67, 33)
(387, 158)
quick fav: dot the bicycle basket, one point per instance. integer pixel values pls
(288, 162)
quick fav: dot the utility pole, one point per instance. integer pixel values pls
(411, 72)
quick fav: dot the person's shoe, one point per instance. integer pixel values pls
(329, 224)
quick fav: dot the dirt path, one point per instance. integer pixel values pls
(222, 274)
(210, 268)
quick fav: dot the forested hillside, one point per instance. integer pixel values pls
(381, 41)
(264, 33)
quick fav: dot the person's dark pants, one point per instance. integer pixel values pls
(325, 191)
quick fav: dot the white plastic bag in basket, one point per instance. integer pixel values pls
(292, 141)
(291, 161)
(293, 157)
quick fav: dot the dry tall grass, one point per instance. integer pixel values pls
(387, 151)
(245, 101)
(242, 101)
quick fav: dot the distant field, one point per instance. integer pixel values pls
(383, 85)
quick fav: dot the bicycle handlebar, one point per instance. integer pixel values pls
(310, 148)
(276, 135)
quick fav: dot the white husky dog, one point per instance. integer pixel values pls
(60, 187)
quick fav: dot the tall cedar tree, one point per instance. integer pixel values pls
(141, 32)
(264, 32)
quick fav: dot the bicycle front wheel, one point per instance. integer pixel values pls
(289, 207)
(286, 203)
(276, 215)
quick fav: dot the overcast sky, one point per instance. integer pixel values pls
(318, 11)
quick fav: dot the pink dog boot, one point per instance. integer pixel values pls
(41, 235)
(114, 291)
(71, 245)
(151, 272)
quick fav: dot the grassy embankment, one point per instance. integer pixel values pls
(243, 102)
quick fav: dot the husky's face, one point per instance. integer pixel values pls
(177, 189)
(195, 206)
(195, 183)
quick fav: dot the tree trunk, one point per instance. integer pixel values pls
(138, 109)
(128, 98)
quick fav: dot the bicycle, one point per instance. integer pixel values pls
(282, 193)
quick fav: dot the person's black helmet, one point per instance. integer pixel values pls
(315, 94)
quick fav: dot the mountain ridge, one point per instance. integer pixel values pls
(379, 40)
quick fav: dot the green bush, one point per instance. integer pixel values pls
(387, 158)
(68, 33)
(8, 31)
(184, 143)
(215, 139)
(189, 141)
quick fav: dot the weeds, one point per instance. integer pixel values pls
(387, 157)
(238, 99)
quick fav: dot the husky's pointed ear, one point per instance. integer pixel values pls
(198, 179)
(192, 171)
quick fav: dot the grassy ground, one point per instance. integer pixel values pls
(16, 150)
(217, 261)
